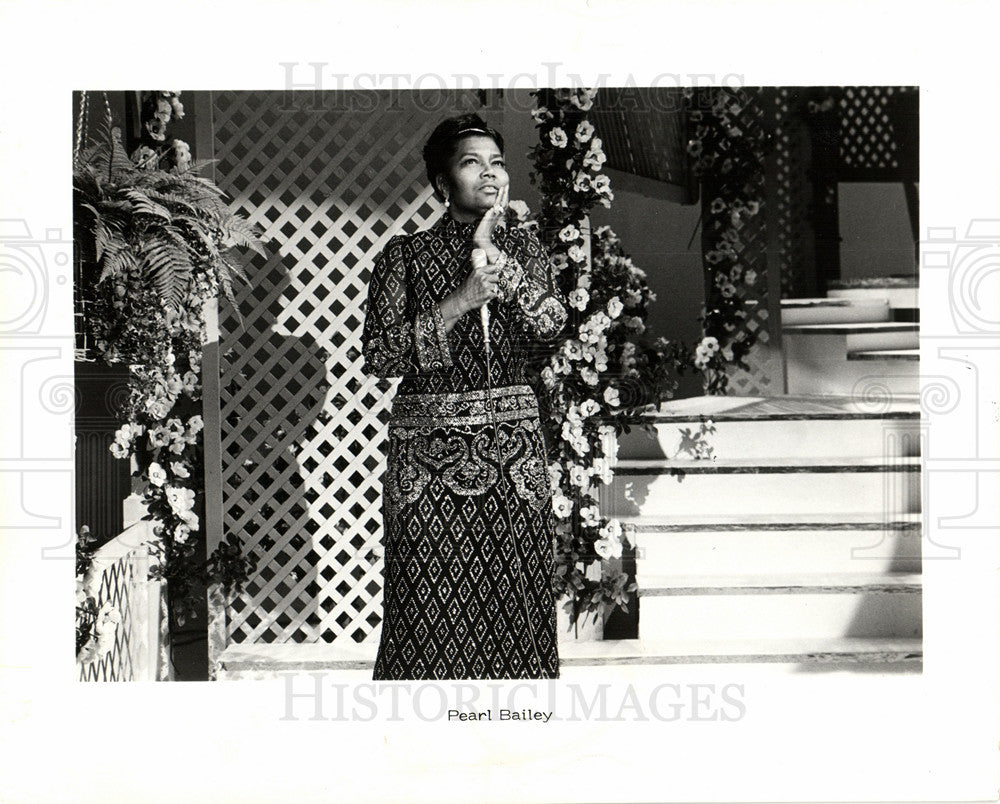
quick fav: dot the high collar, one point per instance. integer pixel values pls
(447, 226)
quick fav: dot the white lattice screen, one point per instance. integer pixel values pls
(302, 425)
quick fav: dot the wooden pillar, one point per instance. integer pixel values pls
(211, 411)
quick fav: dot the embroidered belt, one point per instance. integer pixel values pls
(510, 402)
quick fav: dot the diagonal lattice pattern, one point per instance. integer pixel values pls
(868, 132)
(118, 581)
(303, 426)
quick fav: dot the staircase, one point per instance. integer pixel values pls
(799, 541)
(854, 340)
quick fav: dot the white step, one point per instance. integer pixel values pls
(764, 486)
(832, 311)
(260, 662)
(837, 340)
(905, 296)
(781, 608)
(816, 359)
(774, 544)
(805, 651)
(779, 426)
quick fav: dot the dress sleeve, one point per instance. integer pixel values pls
(399, 339)
(526, 277)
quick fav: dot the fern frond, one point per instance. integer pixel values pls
(119, 259)
(168, 265)
(242, 233)
(144, 205)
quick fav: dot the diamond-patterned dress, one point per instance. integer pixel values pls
(466, 500)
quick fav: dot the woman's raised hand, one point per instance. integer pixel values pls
(483, 236)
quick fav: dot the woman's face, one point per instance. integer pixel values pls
(474, 177)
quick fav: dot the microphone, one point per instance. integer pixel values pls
(478, 261)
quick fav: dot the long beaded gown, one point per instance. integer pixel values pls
(466, 500)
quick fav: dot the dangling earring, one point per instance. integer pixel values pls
(447, 202)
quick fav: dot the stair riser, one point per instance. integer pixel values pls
(835, 346)
(897, 297)
(851, 313)
(807, 374)
(775, 552)
(779, 492)
(780, 616)
(808, 438)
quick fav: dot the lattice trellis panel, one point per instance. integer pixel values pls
(765, 375)
(303, 426)
(790, 195)
(869, 139)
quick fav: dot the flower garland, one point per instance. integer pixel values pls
(727, 157)
(602, 368)
(154, 245)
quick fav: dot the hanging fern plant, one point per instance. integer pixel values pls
(140, 225)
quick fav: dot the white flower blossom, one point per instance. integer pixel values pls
(562, 506)
(573, 349)
(584, 131)
(569, 233)
(578, 299)
(157, 474)
(558, 137)
(179, 469)
(589, 376)
(615, 307)
(541, 115)
(590, 514)
(611, 396)
(576, 253)
(159, 436)
(583, 99)
(181, 501)
(560, 365)
(602, 184)
(608, 548)
(589, 408)
(181, 533)
(577, 475)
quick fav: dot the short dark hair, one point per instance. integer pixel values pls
(444, 140)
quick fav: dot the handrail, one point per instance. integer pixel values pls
(133, 609)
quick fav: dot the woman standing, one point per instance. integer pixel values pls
(466, 496)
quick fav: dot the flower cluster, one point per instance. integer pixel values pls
(603, 368)
(158, 109)
(727, 157)
(568, 161)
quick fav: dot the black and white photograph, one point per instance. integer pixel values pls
(590, 429)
